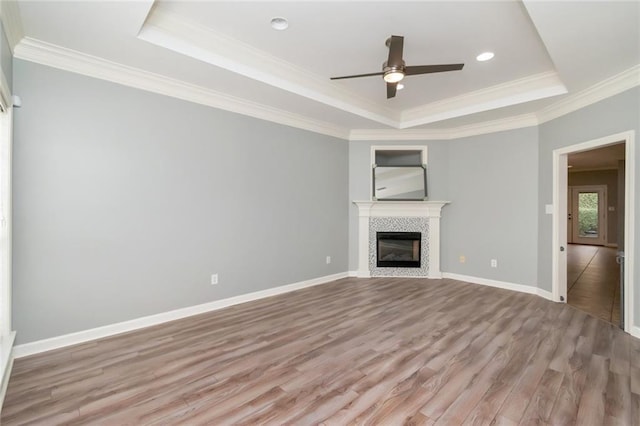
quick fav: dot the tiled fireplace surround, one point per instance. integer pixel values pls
(399, 216)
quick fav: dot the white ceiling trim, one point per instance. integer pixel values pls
(183, 36)
(605, 89)
(77, 62)
(509, 123)
(514, 92)
(81, 63)
(11, 22)
(611, 86)
(197, 41)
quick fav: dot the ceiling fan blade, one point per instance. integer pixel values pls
(357, 76)
(391, 90)
(396, 44)
(427, 69)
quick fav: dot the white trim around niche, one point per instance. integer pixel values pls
(374, 148)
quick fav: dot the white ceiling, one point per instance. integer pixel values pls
(545, 52)
(605, 158)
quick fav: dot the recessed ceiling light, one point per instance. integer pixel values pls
(485, 56)
(279, 23)
(400, 86)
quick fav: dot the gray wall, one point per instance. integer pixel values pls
(493, 185)
(610, 116)
(6, 58)
(125, 202)
(492, 214)
(609, 178)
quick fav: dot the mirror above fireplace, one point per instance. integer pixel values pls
(400, 183)
(399, 173)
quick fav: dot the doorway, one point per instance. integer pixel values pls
(587, 215)
(597, 253)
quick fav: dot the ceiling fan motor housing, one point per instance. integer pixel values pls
(393, 73)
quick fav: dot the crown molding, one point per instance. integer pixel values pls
(398, 134)
(494, 126)
(11, 22)
(70, 60)
(509, 123)
(194, 40)
(612, 86)
(197, 41)
(514, 92)
(619, 83)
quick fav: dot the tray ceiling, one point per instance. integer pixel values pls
(544, 52)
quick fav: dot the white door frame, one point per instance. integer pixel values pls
(559, 227)
(603, 228)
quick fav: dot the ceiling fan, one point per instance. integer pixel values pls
(394, 69)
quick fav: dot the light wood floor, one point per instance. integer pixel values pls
(593, 280)
(355, 351)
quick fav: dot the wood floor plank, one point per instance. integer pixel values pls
(541, 402)
(592, 403)
(618, 397)
(362, 351)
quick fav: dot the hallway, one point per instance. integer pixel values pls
(593, 281)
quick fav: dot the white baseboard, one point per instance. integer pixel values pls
(499, 284)
(6, 364)
(483, 281)
(544, 294)
(122, 327)
(635, 331)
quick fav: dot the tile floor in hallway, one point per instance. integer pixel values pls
(593, 281)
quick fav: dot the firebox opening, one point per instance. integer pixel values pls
(398, 249)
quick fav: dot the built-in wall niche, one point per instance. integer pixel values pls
(399, 173)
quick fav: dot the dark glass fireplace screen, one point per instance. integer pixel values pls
(398, 249)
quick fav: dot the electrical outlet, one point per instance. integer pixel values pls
(462, 259)
(494, 263)
(214, 279)
(328, 260)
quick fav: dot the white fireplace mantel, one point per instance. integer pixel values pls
(429, 209)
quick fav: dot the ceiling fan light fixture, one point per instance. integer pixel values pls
(393, 76)
(485, 56)
(279, 23)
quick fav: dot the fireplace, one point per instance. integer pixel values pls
(398, 249)
(386, 216)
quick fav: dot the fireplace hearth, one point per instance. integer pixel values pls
(398, 249)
